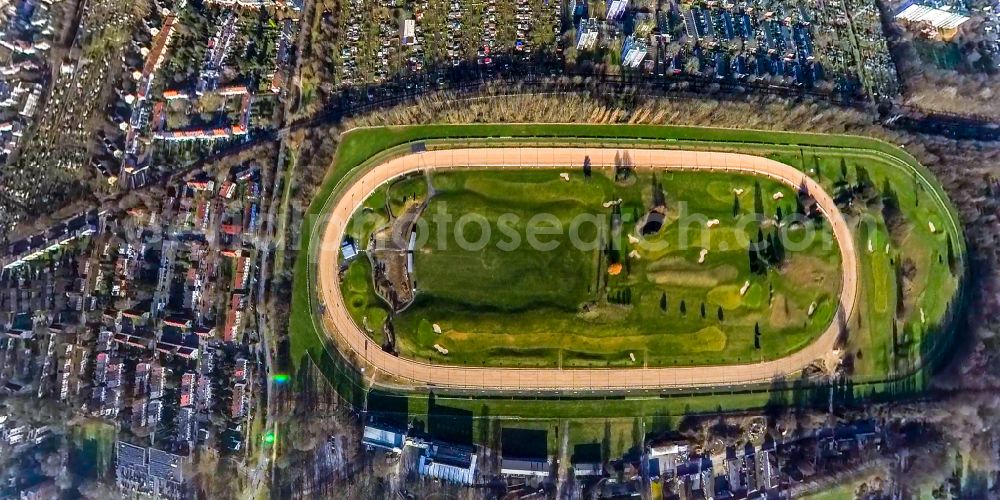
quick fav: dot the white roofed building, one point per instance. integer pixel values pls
(943, 20)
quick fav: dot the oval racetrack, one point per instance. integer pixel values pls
(406, 372)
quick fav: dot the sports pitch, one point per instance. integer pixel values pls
(906, 294)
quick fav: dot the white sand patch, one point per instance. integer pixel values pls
(738, 191)
(631, 356)
(743, 290)
(437, 328)
(930, 225)
(831, 361)
(635, 254)
(440, 349)
(871, 247)
(712, 223)
(632, 239)
(564, 176)
(812, 309)
(923, 317)
(887, 249)
(701, 256)
(779, 195)
(609, 204)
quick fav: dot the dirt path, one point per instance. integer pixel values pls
(338, 322)
(391, 249)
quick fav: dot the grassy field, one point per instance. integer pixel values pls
(365, 147)
(842, 492)
(908, 279)
(610, 438)
(534, 307)
(365, 306)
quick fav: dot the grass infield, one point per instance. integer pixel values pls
(910, 283)
(560, 307)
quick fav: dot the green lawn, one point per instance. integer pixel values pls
(842, 492)
(923, 201)
(365, 306)
(533, 306)
(581, 407)
(918, 298)
(405, 191)
(607, 439)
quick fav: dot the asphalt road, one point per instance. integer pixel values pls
(338, 322)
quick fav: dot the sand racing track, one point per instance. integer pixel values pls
(406, 372)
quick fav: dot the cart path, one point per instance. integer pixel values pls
(337, 320)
